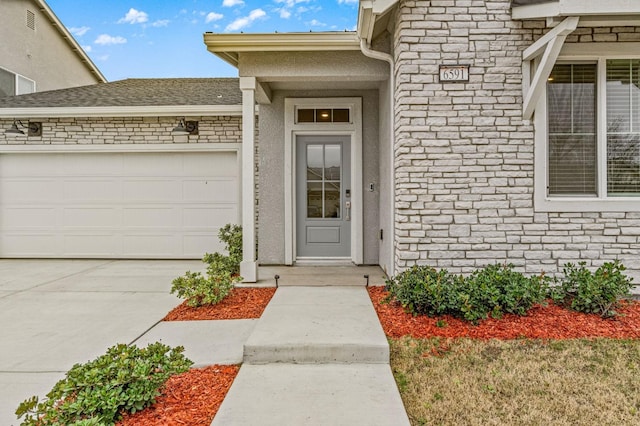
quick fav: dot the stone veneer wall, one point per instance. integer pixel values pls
(465, 158)
(127, 130)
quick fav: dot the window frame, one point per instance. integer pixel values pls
(16, 82)
(543, 202)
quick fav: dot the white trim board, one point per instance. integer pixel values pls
(292, 131)
(174, 147)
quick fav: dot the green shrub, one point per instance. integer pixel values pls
(125, 379)
(492, 290)
(422, 290)
(599, 292)
(222, 272)
(498, 289)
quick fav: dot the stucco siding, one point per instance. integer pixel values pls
(464, 158)
(271, 227)
(40, 54)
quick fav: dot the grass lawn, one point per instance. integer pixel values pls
(518, 382)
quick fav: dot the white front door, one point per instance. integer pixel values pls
(324, 201)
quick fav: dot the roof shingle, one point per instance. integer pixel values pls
(135, 92)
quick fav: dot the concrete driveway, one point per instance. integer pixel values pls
(55, 313)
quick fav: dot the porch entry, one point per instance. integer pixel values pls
(323, 196)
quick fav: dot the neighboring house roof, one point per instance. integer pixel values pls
(152, 96)
(66, 35)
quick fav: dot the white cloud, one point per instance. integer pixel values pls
(103, 57)
(106, 39)
(285, 14)
(134, 16)
(292, 3)
(79, 31)
(87, 48)
(231, 3)
(316, 23)
(161, 23)
(347, 1)
(246, 20)
(212, 16)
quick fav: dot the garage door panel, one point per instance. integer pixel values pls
(220, 190)
(84, 217)
(151, 217)
(116, 205)
(141, 245)
(152, 190)
(27, 217)
(86, 165)
(224, 163)
(29, 244)
(204, 218)
(32, 190)
(92, 191)
(154, 164)
(91, 245)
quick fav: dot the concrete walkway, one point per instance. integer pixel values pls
(317, 356)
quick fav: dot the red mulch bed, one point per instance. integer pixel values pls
(190, 398)
(242, 303)
(542, 322)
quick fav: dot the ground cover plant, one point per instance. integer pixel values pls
(222, 272)
(126, 379)
(516, 382)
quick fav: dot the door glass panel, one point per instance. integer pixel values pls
(324, 163)
(314, 199)
(332, 160)
(332, 199)
(315, 162)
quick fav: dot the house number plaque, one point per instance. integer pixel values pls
(454, 73)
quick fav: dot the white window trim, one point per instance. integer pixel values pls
(16, 77)
(601, 203)
(352, 129)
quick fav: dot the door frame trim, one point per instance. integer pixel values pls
(292, 131)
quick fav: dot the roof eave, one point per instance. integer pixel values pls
(583, 8)
(229, 46)
(121, 111)
(66, 35)
(368, 13)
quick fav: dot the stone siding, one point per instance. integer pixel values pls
(464, 158)
(126, 130)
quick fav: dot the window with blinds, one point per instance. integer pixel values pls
(623, 127)
(571, 100)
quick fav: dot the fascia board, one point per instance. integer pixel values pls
(66, 35)
(218, 43)
(563, 8)
(133, 111)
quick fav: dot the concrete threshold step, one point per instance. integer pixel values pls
(327, 394)
(309, 325)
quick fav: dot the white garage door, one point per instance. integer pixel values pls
(116, 205)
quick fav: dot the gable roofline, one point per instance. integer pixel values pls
(228, 46)
(66, 35)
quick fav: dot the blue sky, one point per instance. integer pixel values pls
(163, 38)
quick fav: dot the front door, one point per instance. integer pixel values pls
(323, 194)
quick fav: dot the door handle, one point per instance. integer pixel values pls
(347, 206)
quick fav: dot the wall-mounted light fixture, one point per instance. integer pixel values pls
(185, 128)
(34, 128)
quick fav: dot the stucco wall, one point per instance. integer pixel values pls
(41, 54)
(464, 164)
(271, 181)
(126, 130)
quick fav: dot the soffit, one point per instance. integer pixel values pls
(589, 10)
(229, 46)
